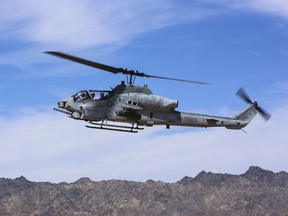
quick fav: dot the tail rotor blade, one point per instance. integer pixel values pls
(263, 113)
(242, 94)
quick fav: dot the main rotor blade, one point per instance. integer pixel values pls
(242, 94)
(114, 69)
(175, 79)
(85, 62)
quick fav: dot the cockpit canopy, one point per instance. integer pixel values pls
(91, 95)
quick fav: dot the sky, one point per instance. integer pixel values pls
(227, 43)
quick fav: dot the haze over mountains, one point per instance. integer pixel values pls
(256, 192)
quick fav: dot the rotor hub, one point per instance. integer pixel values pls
(255, 104)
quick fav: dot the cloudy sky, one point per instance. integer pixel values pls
(227, 43)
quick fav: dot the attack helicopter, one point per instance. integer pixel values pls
(128, 108)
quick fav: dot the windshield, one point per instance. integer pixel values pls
(83, 95)
(91, 95)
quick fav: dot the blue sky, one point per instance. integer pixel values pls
(229, 44)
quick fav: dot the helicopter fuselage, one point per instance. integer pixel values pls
(137, 105)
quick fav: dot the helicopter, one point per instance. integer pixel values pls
(128, 107)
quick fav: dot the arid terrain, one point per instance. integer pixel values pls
(256, 192)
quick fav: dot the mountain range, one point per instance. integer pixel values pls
(255, 192)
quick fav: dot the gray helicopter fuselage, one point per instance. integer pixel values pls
(137, 105)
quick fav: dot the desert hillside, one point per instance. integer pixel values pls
(256, 192)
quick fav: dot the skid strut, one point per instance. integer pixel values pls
(113, 127)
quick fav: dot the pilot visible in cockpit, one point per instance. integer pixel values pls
(104, 96)
(93, 95)
(81, 96)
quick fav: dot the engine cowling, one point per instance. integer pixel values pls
(155, 102)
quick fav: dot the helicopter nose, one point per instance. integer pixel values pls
(62, 103)
(67, 104)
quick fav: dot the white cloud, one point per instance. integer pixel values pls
(84, 24)
(279, 7)
(46, 146)
(81, 24)
(102, 26)
(273, 7)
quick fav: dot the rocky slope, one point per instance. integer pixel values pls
(256, 192)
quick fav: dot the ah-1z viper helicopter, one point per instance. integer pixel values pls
(137, 106)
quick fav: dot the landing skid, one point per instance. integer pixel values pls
(112, 127)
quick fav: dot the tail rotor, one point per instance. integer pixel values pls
(244, 96)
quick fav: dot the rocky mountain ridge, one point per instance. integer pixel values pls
(256, 192)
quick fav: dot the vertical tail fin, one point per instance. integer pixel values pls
(247, 115)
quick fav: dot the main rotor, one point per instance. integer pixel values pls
(131, 74)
